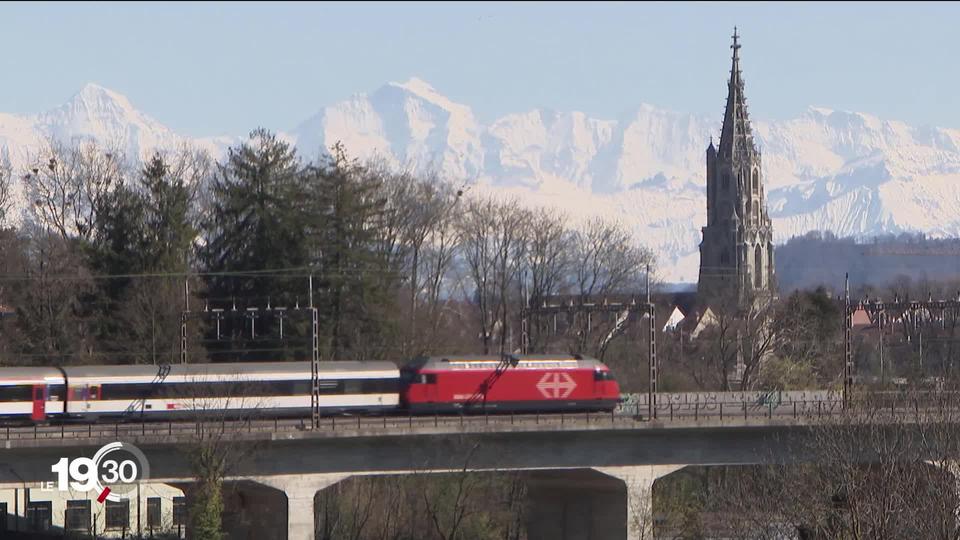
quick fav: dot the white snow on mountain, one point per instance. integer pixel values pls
(847, 172)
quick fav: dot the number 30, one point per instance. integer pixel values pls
(126, 471)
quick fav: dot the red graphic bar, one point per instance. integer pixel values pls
(103, 495)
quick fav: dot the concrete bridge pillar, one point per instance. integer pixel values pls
(639, 501)
(608, 503)
(300, 491)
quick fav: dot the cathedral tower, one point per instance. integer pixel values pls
(736, 254)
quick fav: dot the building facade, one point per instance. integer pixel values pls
(157, 511)
(736, 253)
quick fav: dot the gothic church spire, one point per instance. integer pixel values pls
(736, 136)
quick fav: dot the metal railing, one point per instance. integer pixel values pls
(702, 409)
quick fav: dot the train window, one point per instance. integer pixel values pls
(20, 392)
(381, 386)
(58, 392)
(126, 391)
(428, 378)
(331, 387)
(196, 390)
(94, 392)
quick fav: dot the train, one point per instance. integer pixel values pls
(435, 385)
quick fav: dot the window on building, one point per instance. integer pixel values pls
(154, 512)
(39, 515)
(758, 267)
(77, 516)
(118, 515)
(3, 516)
(756, 181)
(179, 511)
(770, 264)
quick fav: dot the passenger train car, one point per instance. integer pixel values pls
(145, 392)
(273, 389)
(28, 392)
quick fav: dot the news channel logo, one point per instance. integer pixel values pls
(113, 472)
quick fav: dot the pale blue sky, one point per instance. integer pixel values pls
(226, 68)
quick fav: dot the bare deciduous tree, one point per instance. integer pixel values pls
(548, 263)
(493, 245)
(729, 352)
(6, 177)
(66, 185)
(462, 504)
(213, 453)
(605, 261)
(52, 316)
(864, 473)
(412, 218)
(439, 251)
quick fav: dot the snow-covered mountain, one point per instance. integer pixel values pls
(847, 172)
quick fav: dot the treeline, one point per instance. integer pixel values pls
(822, 258)
(112, 253)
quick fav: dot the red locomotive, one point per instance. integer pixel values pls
(546, 383)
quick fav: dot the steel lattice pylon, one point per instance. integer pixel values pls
(315, 367)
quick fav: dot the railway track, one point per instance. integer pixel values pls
(630, 417)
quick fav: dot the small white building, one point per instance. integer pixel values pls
(156, 510)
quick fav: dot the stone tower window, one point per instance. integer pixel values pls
(770, 268)
(758, 267)
(756, 181)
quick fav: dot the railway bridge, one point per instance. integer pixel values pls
(592, 473)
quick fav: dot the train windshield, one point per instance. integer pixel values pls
(603, 376)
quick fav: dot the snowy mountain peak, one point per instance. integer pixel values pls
(417, 86)
(108, 117)
(819, 111)
(425, 91)
(93, 92)
(94, 102)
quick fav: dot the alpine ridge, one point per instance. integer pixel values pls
(847, 172)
